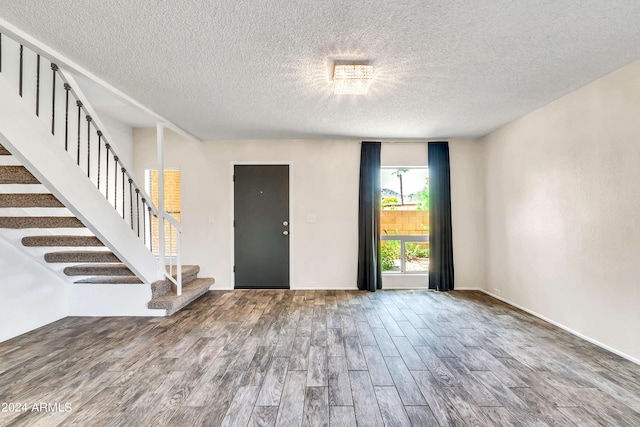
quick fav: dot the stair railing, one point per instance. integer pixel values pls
(81, 133)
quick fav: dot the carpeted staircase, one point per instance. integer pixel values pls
(164, 293)
(83, 257)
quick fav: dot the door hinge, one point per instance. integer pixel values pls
(233, 178)
(234, 222)
(234, 268)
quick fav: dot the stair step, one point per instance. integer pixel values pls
(40, 222)
(190, 293)
(16, 175)
(53, 241)
(108, 280)
(164, 287)
(29, 201)
(4, 151)
(98, 270)
(81, 256)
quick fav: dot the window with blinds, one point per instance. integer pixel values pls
(171, 206)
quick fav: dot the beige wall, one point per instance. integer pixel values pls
(563, 211)
(325, 176)
(404, 222)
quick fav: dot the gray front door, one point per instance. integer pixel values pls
(261, 226)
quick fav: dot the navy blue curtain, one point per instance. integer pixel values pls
(440, 231)
(369, 268)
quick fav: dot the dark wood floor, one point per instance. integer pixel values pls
(317, 358)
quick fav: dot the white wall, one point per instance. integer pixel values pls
(32, 296)
(325, 184)
(467, 213)
(411, 154)
(122, 140)
(562, 219)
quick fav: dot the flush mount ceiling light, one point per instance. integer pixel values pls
(352, 79)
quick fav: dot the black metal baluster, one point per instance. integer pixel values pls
(54, 69)
(131, 202)
(106, 177)
(21, 66)
(138, 211)
(123, 206)
(67, 88)
(99, 158)
(150, 230)
(115, 183)
(144, 222)
(79, 104)
(38, 87)
(89, 146)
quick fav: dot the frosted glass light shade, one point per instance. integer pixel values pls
(352, 79)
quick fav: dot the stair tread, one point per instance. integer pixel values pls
(187, 270)
(190, 292)
(16, 175)
(81, 256)
(110, 280)
(40, 222)
(53, 241)
(4, 151)
(29, 201)
(165, 286)
(116, 269)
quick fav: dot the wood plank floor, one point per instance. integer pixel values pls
(317, 358)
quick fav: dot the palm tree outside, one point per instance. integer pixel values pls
(399, 173)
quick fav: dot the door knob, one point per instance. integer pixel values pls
(285, 232)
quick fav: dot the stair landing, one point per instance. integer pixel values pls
(190, 292)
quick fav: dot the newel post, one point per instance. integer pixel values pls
(161, 245)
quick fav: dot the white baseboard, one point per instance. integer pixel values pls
(561, 326)
(347, 288)
(334, 288)
(297, 288)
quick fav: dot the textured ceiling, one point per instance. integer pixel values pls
(247, 69)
